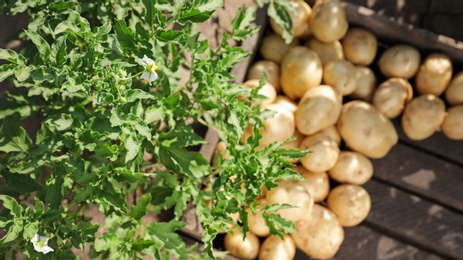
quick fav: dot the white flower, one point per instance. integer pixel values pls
(41, 244)
(150, 69)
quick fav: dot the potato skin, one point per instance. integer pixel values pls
(300, 20)
(351, 167)
(341, 75)
(360, 46)
(366, 83)
(434, 74)
(401, 61)
(351, 203)
(391, 96)
(319, 234)
(318, 109)
(327, 51)
(423, 116)
(454, 92)
(301, 70)
(274, 248)
(274, 48)
(270, 68)
(328, 20)
(247, 249)
(364, 129)
(325, 152)
(316, 183)
(452, 127)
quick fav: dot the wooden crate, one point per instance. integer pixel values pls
(417, 189)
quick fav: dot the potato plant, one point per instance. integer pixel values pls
(100, 110)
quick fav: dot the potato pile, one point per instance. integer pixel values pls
(340, 92)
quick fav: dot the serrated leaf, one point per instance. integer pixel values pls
(148, 7)
(279, 14)
(133, 147)
(164, 234)
(54, 195)
(170, 36)
(11, 56)
(125, 35)
(14, 138)
(139, 210)
(109, 241)
(23, 72)
(21, 182)
(154, 113)
(183, 161)
(241, 23)
(181, 138)
(133, 95)
(42, 46)
(83, 194)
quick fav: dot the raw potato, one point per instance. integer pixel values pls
(257, 223)
(328, 20)
(274, 248)
(352, 167)
(454, 92)
(326, 51)
(392, 95)
(300, 20)
(351, 203)
(319, 234)
(316, 183)
(360, 46)
(452, 126)
(434, 74)
(274, 48)
(301, 70)
(364, 129)
(267, 67)
(242, 249)
(324, 154)
(286, 102)
(341, 75)
(366, 83)
(290, 192)
(423, 116)
(267, 90)
(333, 133)
(401, 61)
(318, 108)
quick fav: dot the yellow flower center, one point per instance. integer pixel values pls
(151, 67)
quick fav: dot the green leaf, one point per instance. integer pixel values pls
(109, 241)
(149, 15)
(139, 210)
(141, 244)
(181, 138)
(124, 35)
(66, 26)
(23, 72)
(11, 56)
(21, 182)
(164, 234)
(6, 70)
(42, 46)
(182, 161)
(83, 194)
(13, 232)
(133, 147)
(279, 14)
(11, 204)
(30, 229)
(194, 16)
(241, 23)
(136, 94)
(279, 225)
(39, 206)
(154, 113)
(58, 51)
(170, 36)
(14, 138)
(55, 195)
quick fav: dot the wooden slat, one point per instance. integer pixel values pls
(415, 221)
(438, 144)
(386, 29)
(362, 242)
(423, 174)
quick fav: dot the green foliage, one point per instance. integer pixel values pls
(81, 129)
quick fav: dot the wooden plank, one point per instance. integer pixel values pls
(386, 29)
(424, 174)
(415, 221)
(438, 144)
(362, 242)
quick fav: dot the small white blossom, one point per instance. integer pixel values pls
(41, 244)
(150, 69)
